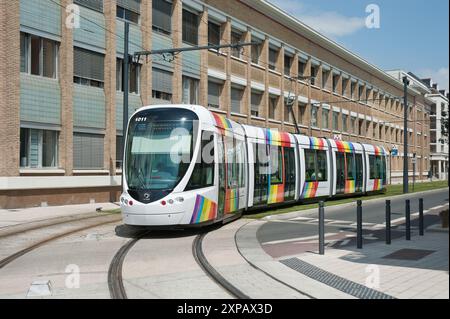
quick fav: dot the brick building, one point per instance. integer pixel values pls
(61, 96)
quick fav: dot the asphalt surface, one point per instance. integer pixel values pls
(373, 212)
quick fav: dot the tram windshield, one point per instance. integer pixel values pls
(159, 148)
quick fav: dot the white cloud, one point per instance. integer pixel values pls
(440, 76)
(333, 24)
(329, 23)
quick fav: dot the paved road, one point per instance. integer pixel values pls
(373, 212)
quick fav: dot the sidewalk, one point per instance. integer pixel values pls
(10, 217)
(404, 269)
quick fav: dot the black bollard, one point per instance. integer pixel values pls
(388, 222)
(408, 219)
(321, 228)
(421, 223)
(359, 238)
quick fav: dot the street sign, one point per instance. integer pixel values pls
(414, 160)
(394, 152)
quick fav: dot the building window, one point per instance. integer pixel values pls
(162, 85)
(256, 50)
(287, 112)
(361, 128)
(287, 65)
(126, 13)
(325, 118)
(162, 16)
(88, 68)
(38, 148)
(344, 86)
(88, 151)
(236, 100)
(213, 33)
(352, 90)
(335, 82)
(214, 92)
(96, 5)
(336, 121)
(368, 91)
(235, 39)
(190, 90)
(353, 124)
(134, 77)
(314, 70)
(301, 67)
(273, 56)
(314, 115)
(190, 27)
(344, 123)
(302, 113)
(256, 102)
(325, 77)
(273, 102)
(360, 93)
(38, 56)
(119, 151)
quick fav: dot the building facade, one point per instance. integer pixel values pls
(61, 94)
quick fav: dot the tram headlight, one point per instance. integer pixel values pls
(179, 199)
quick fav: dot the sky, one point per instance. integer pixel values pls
(413, 35)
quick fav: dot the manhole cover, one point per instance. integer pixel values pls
(409, 254)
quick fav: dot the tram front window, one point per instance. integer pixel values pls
(159, 148)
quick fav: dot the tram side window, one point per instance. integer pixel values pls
(350, 167)
(316, 166)
(377, 167)
(322, 175)
(203, 174)
(276, 165)
(310, 165)
(383, 174)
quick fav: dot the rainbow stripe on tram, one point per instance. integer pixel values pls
(310, 189)
(277, 138)
(345, 147)
(350, 187)
(379, 151)
(204, 210)
(317, 143)
(222, 123)
(276, 194)
(377, 185)
(231, 200)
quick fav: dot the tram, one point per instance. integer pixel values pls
(187, 166)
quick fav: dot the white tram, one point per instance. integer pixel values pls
(185, 165)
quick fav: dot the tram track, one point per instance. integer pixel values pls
(115, 277)
(104, 220)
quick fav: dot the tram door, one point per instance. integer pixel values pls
(222, 170)
(359, 173)
(340, 173)
(261, 169)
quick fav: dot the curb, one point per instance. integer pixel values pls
(343, 206)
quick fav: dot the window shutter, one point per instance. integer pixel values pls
(96, 5)
(213, 94)
(88, 64)
(162, 11)
(132, 5)
(87, 151)
(162, 81)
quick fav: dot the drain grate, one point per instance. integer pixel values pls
(409, 254)
(347, 286)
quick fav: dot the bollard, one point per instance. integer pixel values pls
(421, 223)
(321, 228)
(359, 239)
(408, 219)
(388, 222)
